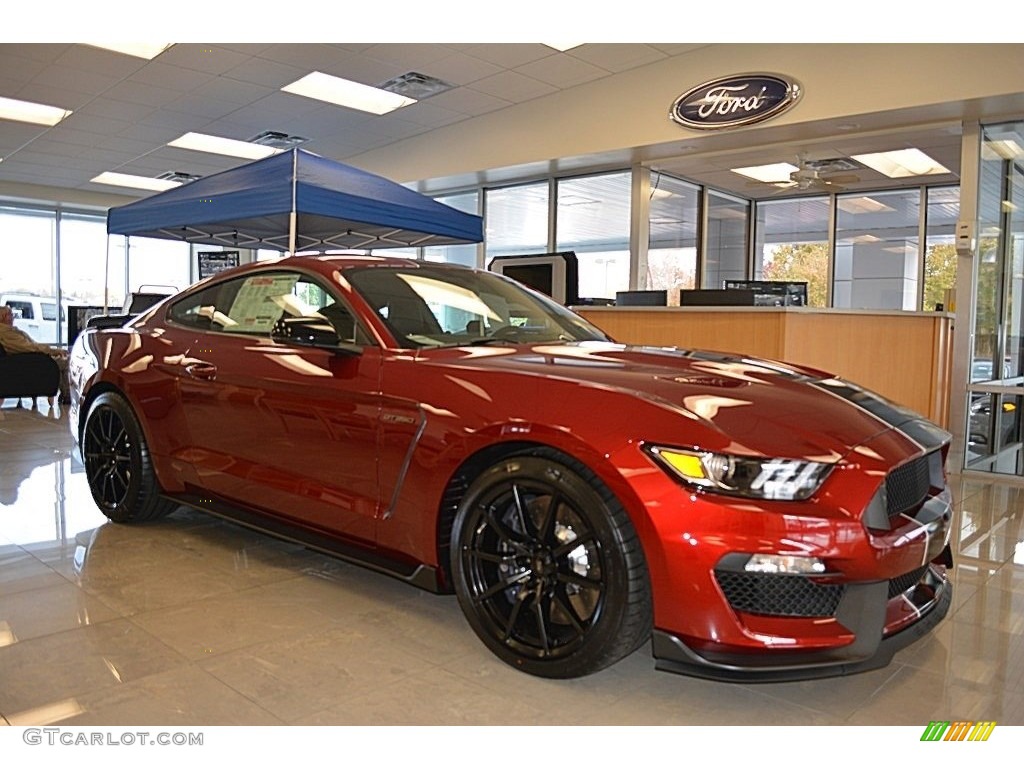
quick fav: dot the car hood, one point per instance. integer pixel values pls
(731, 403)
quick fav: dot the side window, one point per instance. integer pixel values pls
(49, 311)
(258, 303)
(22, 310)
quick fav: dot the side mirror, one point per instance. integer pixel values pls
(312, 332)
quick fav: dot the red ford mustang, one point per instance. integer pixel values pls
(754, 520)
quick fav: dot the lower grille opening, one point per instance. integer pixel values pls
(771, 594)
(901, 584)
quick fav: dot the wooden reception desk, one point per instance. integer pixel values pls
(905, 356)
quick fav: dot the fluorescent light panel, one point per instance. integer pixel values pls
(135, 182)
(769, 174)
(562, 46)
(902, 163)
(140, 50)
(217, 145)
(863, 205)
(1006, 149)
(30, 112)
(346, 93)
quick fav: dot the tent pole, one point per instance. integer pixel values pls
(293, 216)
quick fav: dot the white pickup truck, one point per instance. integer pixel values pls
(37, 316)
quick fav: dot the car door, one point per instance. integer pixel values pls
(286, 428)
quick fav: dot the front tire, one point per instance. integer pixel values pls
(117, 463)
(548, 568)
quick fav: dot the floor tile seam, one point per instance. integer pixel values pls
(391, 685)
(195, 665)
(63, 630)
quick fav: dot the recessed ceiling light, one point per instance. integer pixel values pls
(562, 46)
(135, 182)
(30, 112)
(140, 50)
(218, 145)
(347, 93)
(902, 163)
(769, 174)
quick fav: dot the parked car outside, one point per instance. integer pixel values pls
(749, 519)
(37, 316)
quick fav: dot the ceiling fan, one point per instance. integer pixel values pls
(817, 176)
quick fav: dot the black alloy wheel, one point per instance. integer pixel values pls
(117, 463)
(548, 569)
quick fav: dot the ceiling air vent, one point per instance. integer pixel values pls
(416, 86)
(277, 140)
(833, 165)
(178, 177)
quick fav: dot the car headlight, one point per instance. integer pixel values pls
(759, 478)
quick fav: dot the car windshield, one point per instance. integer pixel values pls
(447, 306)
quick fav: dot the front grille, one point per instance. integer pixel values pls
(772, 594)
(907, 486)
(901, 584)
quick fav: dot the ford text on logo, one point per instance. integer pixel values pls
(737, 100)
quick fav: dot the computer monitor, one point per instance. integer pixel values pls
(712, 297)
(553, 274)
(773, 293)
(641, 298)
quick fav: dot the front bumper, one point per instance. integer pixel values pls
(864, 609)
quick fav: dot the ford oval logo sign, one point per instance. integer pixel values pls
(736, 100)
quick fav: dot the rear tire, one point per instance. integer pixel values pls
(548, 568)
(117, 463)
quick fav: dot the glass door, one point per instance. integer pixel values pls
(996, 386)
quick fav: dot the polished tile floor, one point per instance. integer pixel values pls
(193, 621)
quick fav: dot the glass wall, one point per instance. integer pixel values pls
(673, 217)
(162, 263)
(725, 255)
(877, 250)
(28, 268)
(592, 219)
(941, 216)
(516, 220)
(467, 202)
(791, 244)
(84, 270)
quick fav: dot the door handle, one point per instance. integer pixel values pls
(204, 371)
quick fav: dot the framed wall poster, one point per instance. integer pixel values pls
(212, 262)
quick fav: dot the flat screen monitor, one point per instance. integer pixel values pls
(773, 293)
(553, 274)
(641, 298)
(711, 297)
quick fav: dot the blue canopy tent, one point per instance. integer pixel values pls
(296, 201)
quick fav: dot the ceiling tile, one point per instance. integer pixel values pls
(469, 101)
(201, 106)
(166, 76)
(676, 49)
(305, 56)
(81, 121)
(140, 93)
(233, 91)
(118, 110)
(617, 57)
(18, 69)
(406, 56)
(64, 98)
(562, 71)
(44, 52)
(425, 113)
(460, 69)
(101, 61)
(508, 55)
(513, 86)
(212, 59)
(270, 74)
(362, 69)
